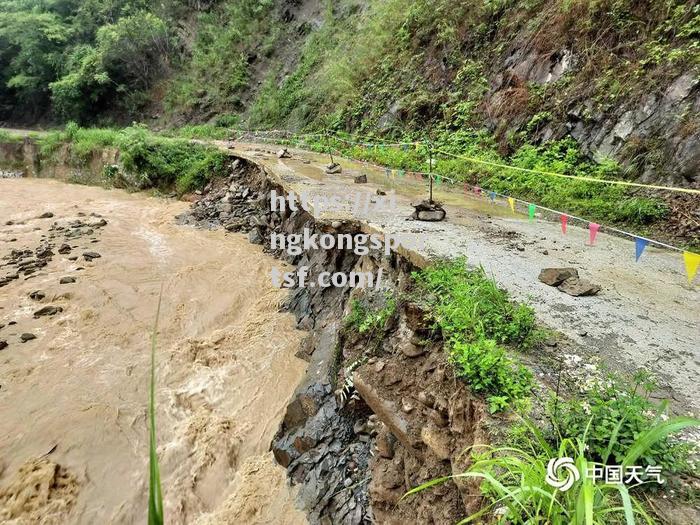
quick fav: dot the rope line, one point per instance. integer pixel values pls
(498, 164)
(440, 178)
(577, 177)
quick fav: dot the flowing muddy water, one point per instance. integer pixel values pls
(73, 434)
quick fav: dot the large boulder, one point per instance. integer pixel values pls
(556, 276)
(578, 287)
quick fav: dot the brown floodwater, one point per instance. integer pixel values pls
(73, 401)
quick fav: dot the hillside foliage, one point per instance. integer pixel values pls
(343, 64)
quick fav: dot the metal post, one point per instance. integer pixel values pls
(330, 150)
(430, 169)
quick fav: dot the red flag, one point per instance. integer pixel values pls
(593, 231)
(564, 220)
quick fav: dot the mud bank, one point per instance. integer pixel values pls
(73, 397)
(63, 164)
(377, 414)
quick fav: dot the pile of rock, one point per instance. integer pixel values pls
(568, 281)
(229, 204)
(240, 206)
(428, 211)
(25, 262)
(4, 174)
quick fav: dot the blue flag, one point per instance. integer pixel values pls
(492, 195)
(640, 244)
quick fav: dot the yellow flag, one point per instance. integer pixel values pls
(511, 201)
(692, 260)
(393, 174)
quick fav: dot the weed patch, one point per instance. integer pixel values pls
(476, 318)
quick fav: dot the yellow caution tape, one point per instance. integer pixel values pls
(583, 178)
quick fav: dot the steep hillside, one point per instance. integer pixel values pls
(620, 77)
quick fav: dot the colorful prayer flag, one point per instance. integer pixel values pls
(692, 261)
(564, 220)
(531, 211)
(511, 202)
(592, 232)
(639, 245)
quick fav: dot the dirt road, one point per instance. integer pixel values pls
(646, 314)
(73, 435)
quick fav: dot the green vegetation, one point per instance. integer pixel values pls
(6, 136)
(155, 495)
(79, 59)
(380, 69)
(368, 320)
(595, 201)
(609, 420)
(146, 160)
(476, 318)
(514, 480)
(618, 411)
(468, 306)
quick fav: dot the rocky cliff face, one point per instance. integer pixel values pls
(658, 132)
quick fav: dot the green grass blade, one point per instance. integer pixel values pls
(426, 485)
(155, 496)
(626, 504)
(658, 432)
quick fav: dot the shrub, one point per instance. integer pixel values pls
(489, 371)
(370, 321)
(161, 162)
(618, 411)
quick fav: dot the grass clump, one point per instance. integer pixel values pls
(476, 318)
(204, 131)
(469, 306)
(6, 136)
(146, 160)
(516, 488)
(368, 320)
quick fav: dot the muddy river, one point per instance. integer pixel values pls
(73, 395)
